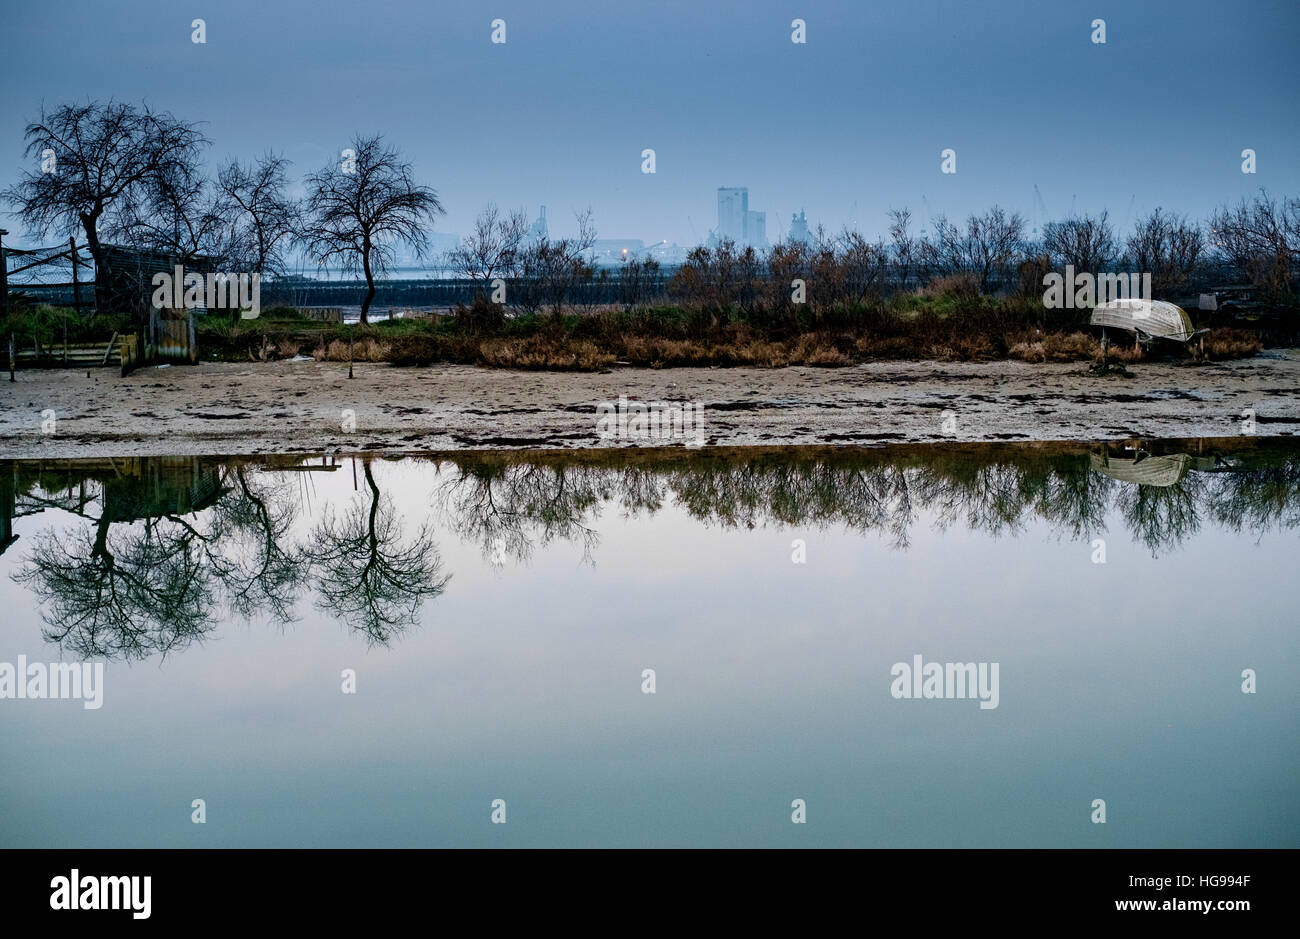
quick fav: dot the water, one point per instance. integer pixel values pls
(500, 612)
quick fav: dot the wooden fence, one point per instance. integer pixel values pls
(82, 292)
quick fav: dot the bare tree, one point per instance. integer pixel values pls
(865, 266)
(1087, 242)
(107, 156)
(942, 251)
(988, 247)
(177, 212)
(787, 262)
(1166, 246)
(904, 249)
(260, 214)
(710, 278)
(994, 240)
(552, 269)
(1261, 239)
(636, 277)
(491, 249)
(361, 209)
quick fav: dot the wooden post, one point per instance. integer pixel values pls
(4, 277)
(11, 356)
(76, 282)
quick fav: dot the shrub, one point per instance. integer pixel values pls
(963, 286)
(482, 315)
(1231, 343)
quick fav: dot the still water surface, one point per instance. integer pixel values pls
(499, 612)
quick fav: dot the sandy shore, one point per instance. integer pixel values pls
(221, 408)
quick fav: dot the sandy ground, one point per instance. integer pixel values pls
(220, 408)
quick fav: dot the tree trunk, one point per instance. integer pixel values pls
(102, 280)
(370, 284)
(365, 303)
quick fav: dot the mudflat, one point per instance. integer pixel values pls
(309, 406)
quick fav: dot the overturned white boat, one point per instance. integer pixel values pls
(1147, 319)
(1142, 468)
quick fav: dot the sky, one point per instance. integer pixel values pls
(845, 126)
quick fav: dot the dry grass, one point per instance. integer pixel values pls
(1036, 346)
(1124, 353)
(541, 352)
(759, 353)
(364, 350)
(661, 353)
(817, 349)
(963, 348)
(884, 347)
(946, 329)
(1070, 347)
(743, 347)
(1027, 352)
(1229, 343)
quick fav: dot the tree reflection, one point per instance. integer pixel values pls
(367, 572)
(260, 571)
(1257, 499)
(124, 593)
(160, 551)
(1162, 517)
(509, 509)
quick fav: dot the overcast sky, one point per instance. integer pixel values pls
(846, 126)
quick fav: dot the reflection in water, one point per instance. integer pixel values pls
(163, 549)
(366, 572)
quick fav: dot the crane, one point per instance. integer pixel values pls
(929, 214)
(1040, 209)
(1128, 218)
